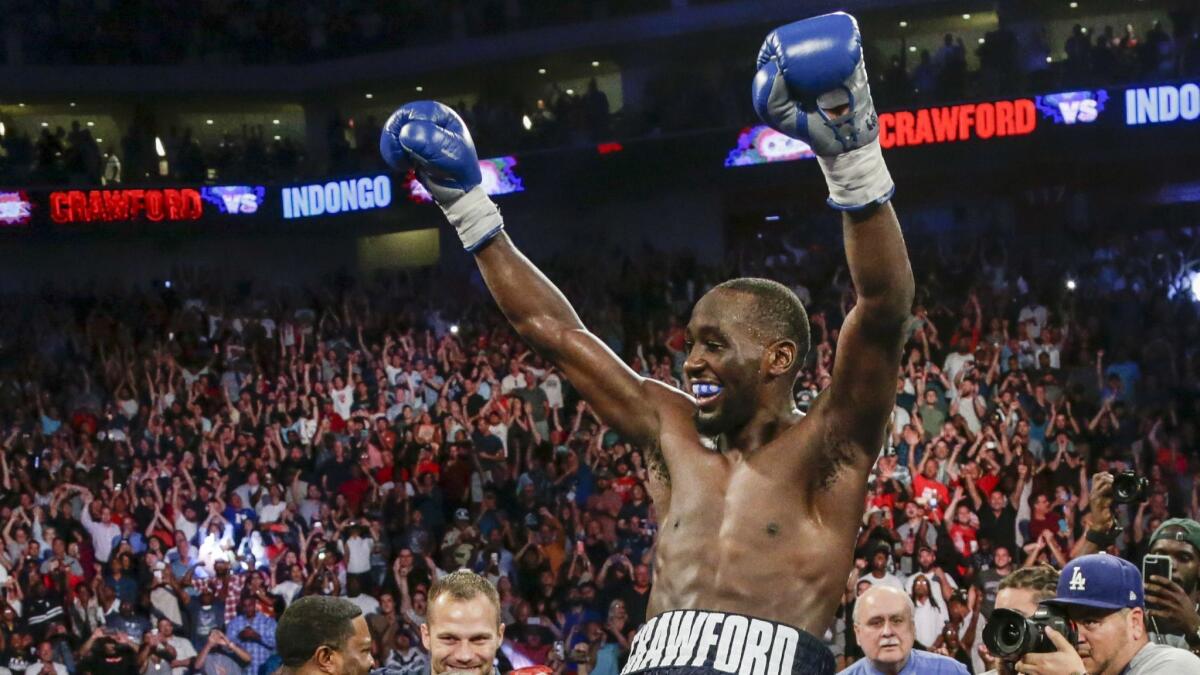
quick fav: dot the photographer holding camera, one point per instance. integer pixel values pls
(1101, 596)
(1103, 530)
(1018, 598)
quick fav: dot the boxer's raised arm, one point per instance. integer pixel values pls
(431, 139)
(867, 360)
(544, 318)
(812, 85)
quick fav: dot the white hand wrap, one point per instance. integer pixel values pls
(857, 178)
(474, 217)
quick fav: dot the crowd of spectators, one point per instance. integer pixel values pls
(222, 32)
(76, 157)
(1027, 60)
(180, 464)
(680, 97)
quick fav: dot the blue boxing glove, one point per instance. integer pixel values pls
(431, 139)
(812, 85)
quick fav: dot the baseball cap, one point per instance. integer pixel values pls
(1188, 531)
(1099, 580)
(462, 514)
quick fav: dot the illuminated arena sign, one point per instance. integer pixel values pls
(15, 208)
(762, 144)
(962, 122)
(78, 206)
(342, 196)
(1070, 107)
(1161, 105)
(498, 179)
(235, 199)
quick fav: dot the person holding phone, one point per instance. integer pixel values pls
(1172, 576)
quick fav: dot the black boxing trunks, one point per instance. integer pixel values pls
(695, 642)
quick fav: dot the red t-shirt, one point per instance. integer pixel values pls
(962, 536)
(986, 484)
(623, 486)
(355, 489)
(924, 488)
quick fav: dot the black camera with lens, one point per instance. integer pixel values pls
(1009, 635)
(1129, 488)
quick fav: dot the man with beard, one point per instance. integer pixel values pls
(321, 635)
(1172, 603)
(744, 483)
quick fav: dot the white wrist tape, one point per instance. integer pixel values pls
(857, 178)
(474, 217)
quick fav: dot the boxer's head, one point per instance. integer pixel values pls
(746, 341)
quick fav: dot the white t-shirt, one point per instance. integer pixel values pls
(888, 579)
(342, 400)
(511, 382)
(186, 526)
(287, 590)
(366, 603)
(358, 554)
(928, 621)
(183, 650)
(552, 385)
(269, 513)
(1038, 314)
(955, 362)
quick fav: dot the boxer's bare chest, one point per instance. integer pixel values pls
(746, 532)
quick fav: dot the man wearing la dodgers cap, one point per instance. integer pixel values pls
(1103, 597)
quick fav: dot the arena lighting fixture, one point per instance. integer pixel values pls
(904, 24)
(982, 40)
(420, 88)
(45, 124)
(208, 121)
(570, 92)
(20, 105)
(526, 122)
(158, 147)
(91, 124)
(595, 64)
(541, 71)
(1049, 59)
(278, 137)
(72, 104)
(1074, 5)
(454, 329)
(912, 48)
(2, 129)
(966, 17)
(1071, 284)
(99, 140)
(276, 122)
(1187, 282)
(771, 219)
(370, 96)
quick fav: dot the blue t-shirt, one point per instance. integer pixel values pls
(919, 663)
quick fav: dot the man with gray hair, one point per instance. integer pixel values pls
(883, 624)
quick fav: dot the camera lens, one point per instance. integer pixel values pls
(1008, 634)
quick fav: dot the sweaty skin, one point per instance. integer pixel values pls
(758, 514)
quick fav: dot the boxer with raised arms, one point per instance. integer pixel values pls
(758, 504)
